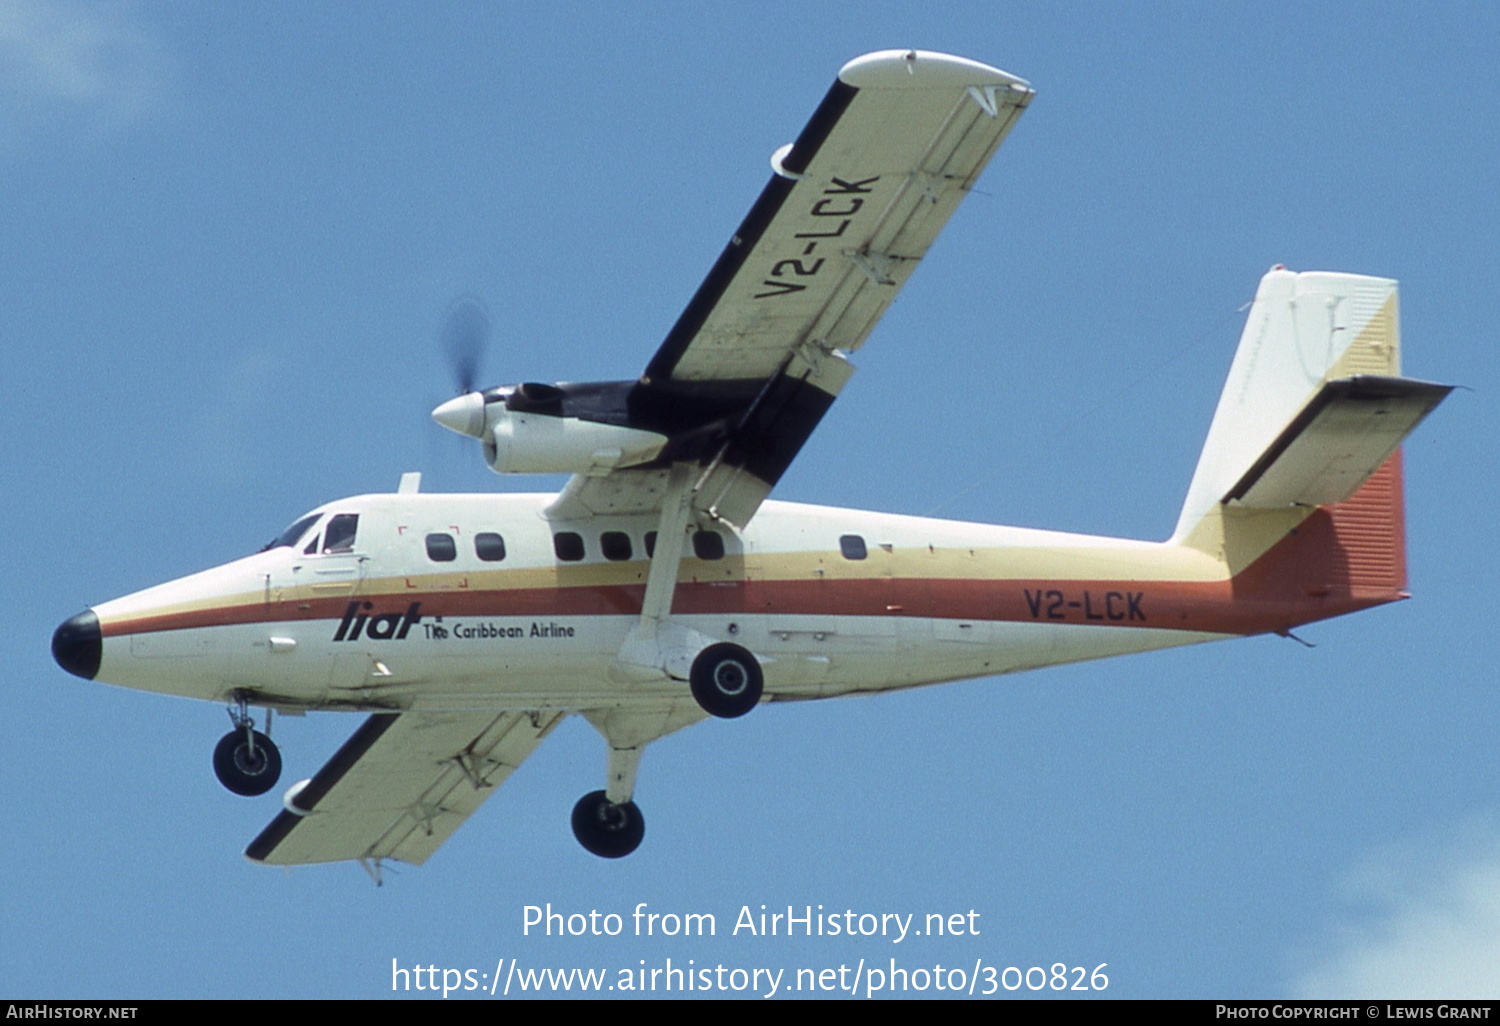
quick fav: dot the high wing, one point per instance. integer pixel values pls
(400, 786)
(852, 207)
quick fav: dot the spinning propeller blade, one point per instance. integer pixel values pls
(464, 337)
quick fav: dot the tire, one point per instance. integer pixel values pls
(243, 772)
(726, 680)
(605, 829)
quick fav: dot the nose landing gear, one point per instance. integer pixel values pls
(246, 761)
(605, 829)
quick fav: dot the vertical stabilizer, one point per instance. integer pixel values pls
(1304, 330)
(1298, 491)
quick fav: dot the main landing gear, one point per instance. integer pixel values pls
(246, 761)
(726, 680)
(605, 829)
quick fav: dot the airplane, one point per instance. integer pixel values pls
(662, 586)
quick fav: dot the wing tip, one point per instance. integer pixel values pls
(923, 69)
(264, 846)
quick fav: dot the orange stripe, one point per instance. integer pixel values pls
(1340, 559)
(1253, 603)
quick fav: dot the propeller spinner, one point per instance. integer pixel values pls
(464, 414)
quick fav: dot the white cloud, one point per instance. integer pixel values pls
(59, 55)
(1423, 921)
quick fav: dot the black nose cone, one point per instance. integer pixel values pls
(77, 645)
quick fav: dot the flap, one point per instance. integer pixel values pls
(401, 785)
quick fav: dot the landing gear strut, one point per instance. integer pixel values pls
(245, 760)
(608, 830)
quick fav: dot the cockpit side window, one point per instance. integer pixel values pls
(339, 537)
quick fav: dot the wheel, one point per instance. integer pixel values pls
(244, 771)
(608, 830)
(726, 680)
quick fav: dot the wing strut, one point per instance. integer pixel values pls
(661, 579)
(656, 647)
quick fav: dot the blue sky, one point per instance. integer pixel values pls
(231, 233)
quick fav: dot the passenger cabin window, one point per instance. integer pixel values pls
(568, 545)
(340, 534)
(441, 548)
(615, 545)
(489, 547)
(708, 545)
(650, 544)
(853, 546)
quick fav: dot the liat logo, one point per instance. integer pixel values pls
(383, 627)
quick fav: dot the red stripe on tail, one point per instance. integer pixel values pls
(1347, 556)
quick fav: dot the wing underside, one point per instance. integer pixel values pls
(854, 205)
(400, 786)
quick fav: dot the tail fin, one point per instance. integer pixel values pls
(1311, 419)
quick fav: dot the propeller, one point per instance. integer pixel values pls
(464, 336)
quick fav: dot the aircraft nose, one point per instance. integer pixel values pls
(77, 645)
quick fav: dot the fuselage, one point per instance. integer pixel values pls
(399, 601)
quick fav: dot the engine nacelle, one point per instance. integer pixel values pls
(573, 428)
(532, 443)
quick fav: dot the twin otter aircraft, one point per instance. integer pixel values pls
(661, 586)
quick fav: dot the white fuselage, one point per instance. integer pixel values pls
(831, 601)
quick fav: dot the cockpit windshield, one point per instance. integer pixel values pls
(292, 535)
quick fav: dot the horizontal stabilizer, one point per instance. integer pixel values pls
(1332, 446)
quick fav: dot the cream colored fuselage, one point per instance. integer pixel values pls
(384, 626)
